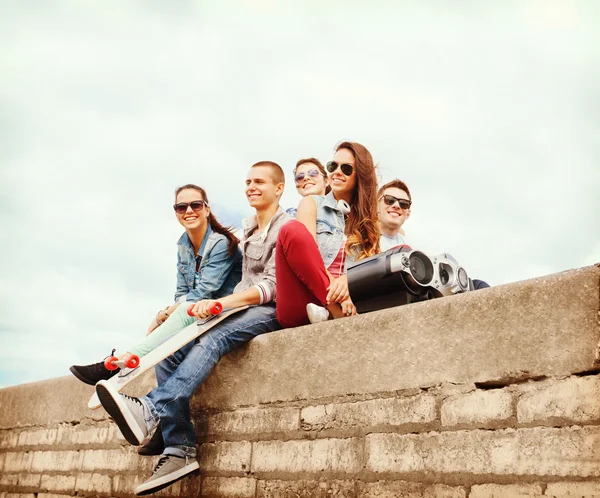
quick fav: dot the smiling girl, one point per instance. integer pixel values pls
(209, 265)
(329, 232)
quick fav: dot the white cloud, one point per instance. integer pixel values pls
(489, 113)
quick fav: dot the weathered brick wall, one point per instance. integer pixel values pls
(492, 394)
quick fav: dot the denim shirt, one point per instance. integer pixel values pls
(330, 229)
(218, 273)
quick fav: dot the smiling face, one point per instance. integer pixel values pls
(343, 186)
(192, 220)
(392, 217)
(311, 184)
(262, 190)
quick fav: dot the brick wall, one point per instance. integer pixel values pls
(493, 394)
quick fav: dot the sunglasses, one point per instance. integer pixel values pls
(196, 206)
(390, 200)
(313, 173)
(347, 169)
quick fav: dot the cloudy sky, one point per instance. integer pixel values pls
(489, 111)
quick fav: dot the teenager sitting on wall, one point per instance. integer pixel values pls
(209, 265)
(394, 204)
(329, 232)
(168, 406)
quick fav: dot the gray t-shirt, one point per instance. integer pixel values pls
(386, 242)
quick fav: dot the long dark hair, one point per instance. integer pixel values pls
(215, 225)
(361, 225)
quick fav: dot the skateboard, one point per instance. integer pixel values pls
(133, 366)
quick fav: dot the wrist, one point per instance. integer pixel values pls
(162, 315)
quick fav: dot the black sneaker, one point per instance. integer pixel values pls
(92, 374)
(155, 446)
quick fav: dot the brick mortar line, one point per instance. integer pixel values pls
(358, 398)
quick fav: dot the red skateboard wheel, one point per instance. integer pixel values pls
(214, 310)
(109, 363)
(132, 360)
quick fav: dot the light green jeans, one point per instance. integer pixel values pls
(175, 323)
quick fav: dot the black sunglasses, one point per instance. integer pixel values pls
(313, 173)
(347, 169)
(390, 200)
(196, 206)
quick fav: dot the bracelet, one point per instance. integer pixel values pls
(166, 312)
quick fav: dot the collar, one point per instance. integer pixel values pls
(184, 240)
(250, 224)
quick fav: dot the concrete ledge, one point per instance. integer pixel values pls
(542, 327)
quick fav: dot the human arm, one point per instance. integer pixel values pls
(307, 215)
(246, 297)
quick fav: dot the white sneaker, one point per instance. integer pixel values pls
(316, 314)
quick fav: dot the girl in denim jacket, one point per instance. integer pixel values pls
(209, 265)
(330, 231)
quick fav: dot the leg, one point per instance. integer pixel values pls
(301, 275)
(170, 401)
(175, 323)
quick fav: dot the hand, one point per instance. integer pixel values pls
(338, 290)
(348, 308)
(202, 308)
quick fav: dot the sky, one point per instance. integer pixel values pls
(489, 111)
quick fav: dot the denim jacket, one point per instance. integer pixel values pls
(218, 273)
(330, 229)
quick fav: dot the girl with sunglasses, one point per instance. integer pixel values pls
(330, 231)
(209, 265)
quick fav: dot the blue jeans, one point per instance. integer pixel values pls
(181, 374)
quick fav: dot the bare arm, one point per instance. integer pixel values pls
(307, 215)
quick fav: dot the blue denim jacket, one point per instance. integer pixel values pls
(330, 229)
(218, 273)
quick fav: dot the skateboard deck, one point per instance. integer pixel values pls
(167, 348)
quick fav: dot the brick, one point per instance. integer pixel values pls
(254, 421)
(115, 461)
(44, 437)
(9, 479)
(225, 456)
(394, 489)
(368, 414)
(575, 399)
(505, 490)
(573, 489)
(81, 435)
(479, 408)
(44, 495)
(29, 480)
(17, 462)
(230, 487)
(93, 482)
(304, 489)
(59, 461)
(126, 484)
(2, 457)
(329, 455)
(58, 483)
(537, 451)
(8, 439)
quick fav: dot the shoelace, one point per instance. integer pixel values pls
(160, 463)
(131, 398)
